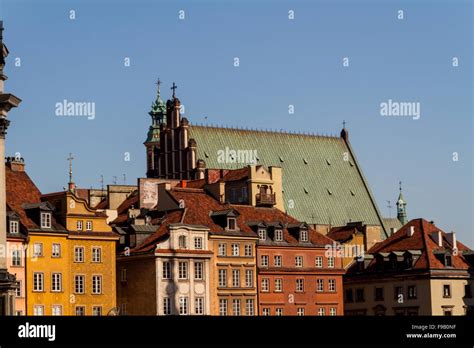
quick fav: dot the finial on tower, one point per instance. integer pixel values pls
(344, 132)
(71, 184)
(174, 90)
(158, 83)
(401, 207)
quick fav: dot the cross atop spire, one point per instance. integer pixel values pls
(174, 89)
(70, 158)
(400, 185)
(158, 83)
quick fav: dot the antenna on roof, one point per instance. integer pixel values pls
(389, 206)
(124, 179)
(102, 183)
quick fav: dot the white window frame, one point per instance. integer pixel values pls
(96, 254)
(166, 270)
(198, 270)
(79, 225)
(264, 261)
(332, 311)
(304, 236)
(320, 285)
(299, 261)
(56, 310)
(16, 258)
(248, 278)
(89, 225)
(79, 254)
(38, 249)
(19, 289)
(299, 285)
(235, 249)
(332, 285)
(166, 306)
(331, 262)
(97, 284)
(79, 309)
(248, 250)
(300, 311)
(277, 260)
(14, 227)
(222, 274)
(266, 311)
(236, 307)
(182, 242)
(279, 312)
(236, 278)
(278, 285)
(265, 285)
(183, 305)
(278, 235)
(79, 284)
(38, 282)
(45, 220)
(250, 307)
(223, 306)
(56, 250)
(232, 221)
(262, 234)
(222, 249)
(199, 305)
(321, 311)
(183, 270)
(38, 310)
(198, 244)
(318, 262)
(56, 282)
(97, 311)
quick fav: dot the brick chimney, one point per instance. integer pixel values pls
(16, 164)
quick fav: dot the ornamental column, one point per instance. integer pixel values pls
(7, 101)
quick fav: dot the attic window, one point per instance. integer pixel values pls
(303, 236)
(45, 220)
(305, 161)
(278, 236)
(14, 226)
(328, 162)
(448, 261)
(262, 234)
(182, 242)
(231, 223)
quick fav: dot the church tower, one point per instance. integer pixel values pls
(7, 102)
(152, 142)
(401, 207)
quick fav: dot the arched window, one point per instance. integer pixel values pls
(182, 242)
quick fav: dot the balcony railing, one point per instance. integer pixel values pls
(265, 199)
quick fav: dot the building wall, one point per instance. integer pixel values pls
(230, 263)
(289, 300)
(136, 294)
(457, 303)
(19, 272)
(393, 304)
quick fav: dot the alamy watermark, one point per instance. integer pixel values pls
(405, 109)
(237, 156)
(68, 108)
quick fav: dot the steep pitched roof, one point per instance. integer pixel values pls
(392, 223)
(324, 188)
(343, 233)
(423, 241)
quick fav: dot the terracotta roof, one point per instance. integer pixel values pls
(342, 233)
(199, 183)
(122, 209)
(236, 174)
(423, 241)
(103, 204)
(82, 193)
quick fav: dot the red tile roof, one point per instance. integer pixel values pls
(342, 233)
(423, 241)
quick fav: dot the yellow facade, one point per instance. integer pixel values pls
(86, 262)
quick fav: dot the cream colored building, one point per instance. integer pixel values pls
(419, 270)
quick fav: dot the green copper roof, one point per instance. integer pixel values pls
(322, 186)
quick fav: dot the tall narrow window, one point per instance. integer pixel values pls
(332, 285)
(222, 278)
(299, 285)
(97, 284)
(79, 225)
(166, 306)
(38, 281)
(199, 305)
(197, 243)
(231, 224)
(249, 307)
(56, 250)
(38, 249)
(222, 249)
(182, 242)
(235, 250)
(303, 236)
(249, 278)
(183, 306)
(265, 285)
(264, 261)
(236, 306)
(331, 262)
(79, 254)
(319, 285)
(278, 235)
(96, 254)
(45, 220)
(182, 270)
(16, 257)
(248, 250)
(222, 306)
(299, 261)
(88, 225)
(166, 270)
(277, 260)
(319, 262)
(56, 282)
(14, 227)
(236, 278)
(79, 281)
(198, 271)
(262, 234)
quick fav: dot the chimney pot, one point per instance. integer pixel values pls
(411, 231)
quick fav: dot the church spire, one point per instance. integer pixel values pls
(344, 132)
(401, 207)
(158, 116)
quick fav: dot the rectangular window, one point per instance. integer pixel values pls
(18, 291)
(236, 278)
(262, 234)
(16, 257)
(231, 224)
(319, 262)
(57, 310)
(38, 281)
(14, 227)
(278, 312)
(45, 220)
(321, 311)
(182, 242)
(303, 236)
(332, 285)
(265, 312)
(249, 306)
(330, 262)
(80, 311)
(96, 254)
(79, 282)
(265, 285)
(166, 270)
(198, 271)
(197, 243)
(222, 249)
(360, 295)
(299, 261)
(79, 225)
(332, 311)
(97, 284)
(248, 278)
(235, 250)
(38, 310)
(222, 306)
(446, 291)
(278, 285)
(299, 285)
(319, 285)
(38, 249)
(56, 282)
(277, 260)
(56, 250)
(182, 270)
(88, 225)
(223, 278)
(166, 306)
(236, 307)
(379, 294)
(123, 275)
(183, 305)
(349, 296)
(411, 292)
(79, 254)
(264, 261)
(278, 235)
(300, 311)
(398, 293)
(97, 310)
(248, 250)
(199, 305)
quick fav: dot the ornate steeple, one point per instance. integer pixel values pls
(158, 116)
(401, 207)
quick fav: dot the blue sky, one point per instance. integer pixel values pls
(282, 62)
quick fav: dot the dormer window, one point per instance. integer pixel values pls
(262, 234)
(408, 260)
(279, 235)
(393, 261)
(14, 227)
(448, 261)
(303, 236)
(231, 223)
(182, 242)
(45, 220)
